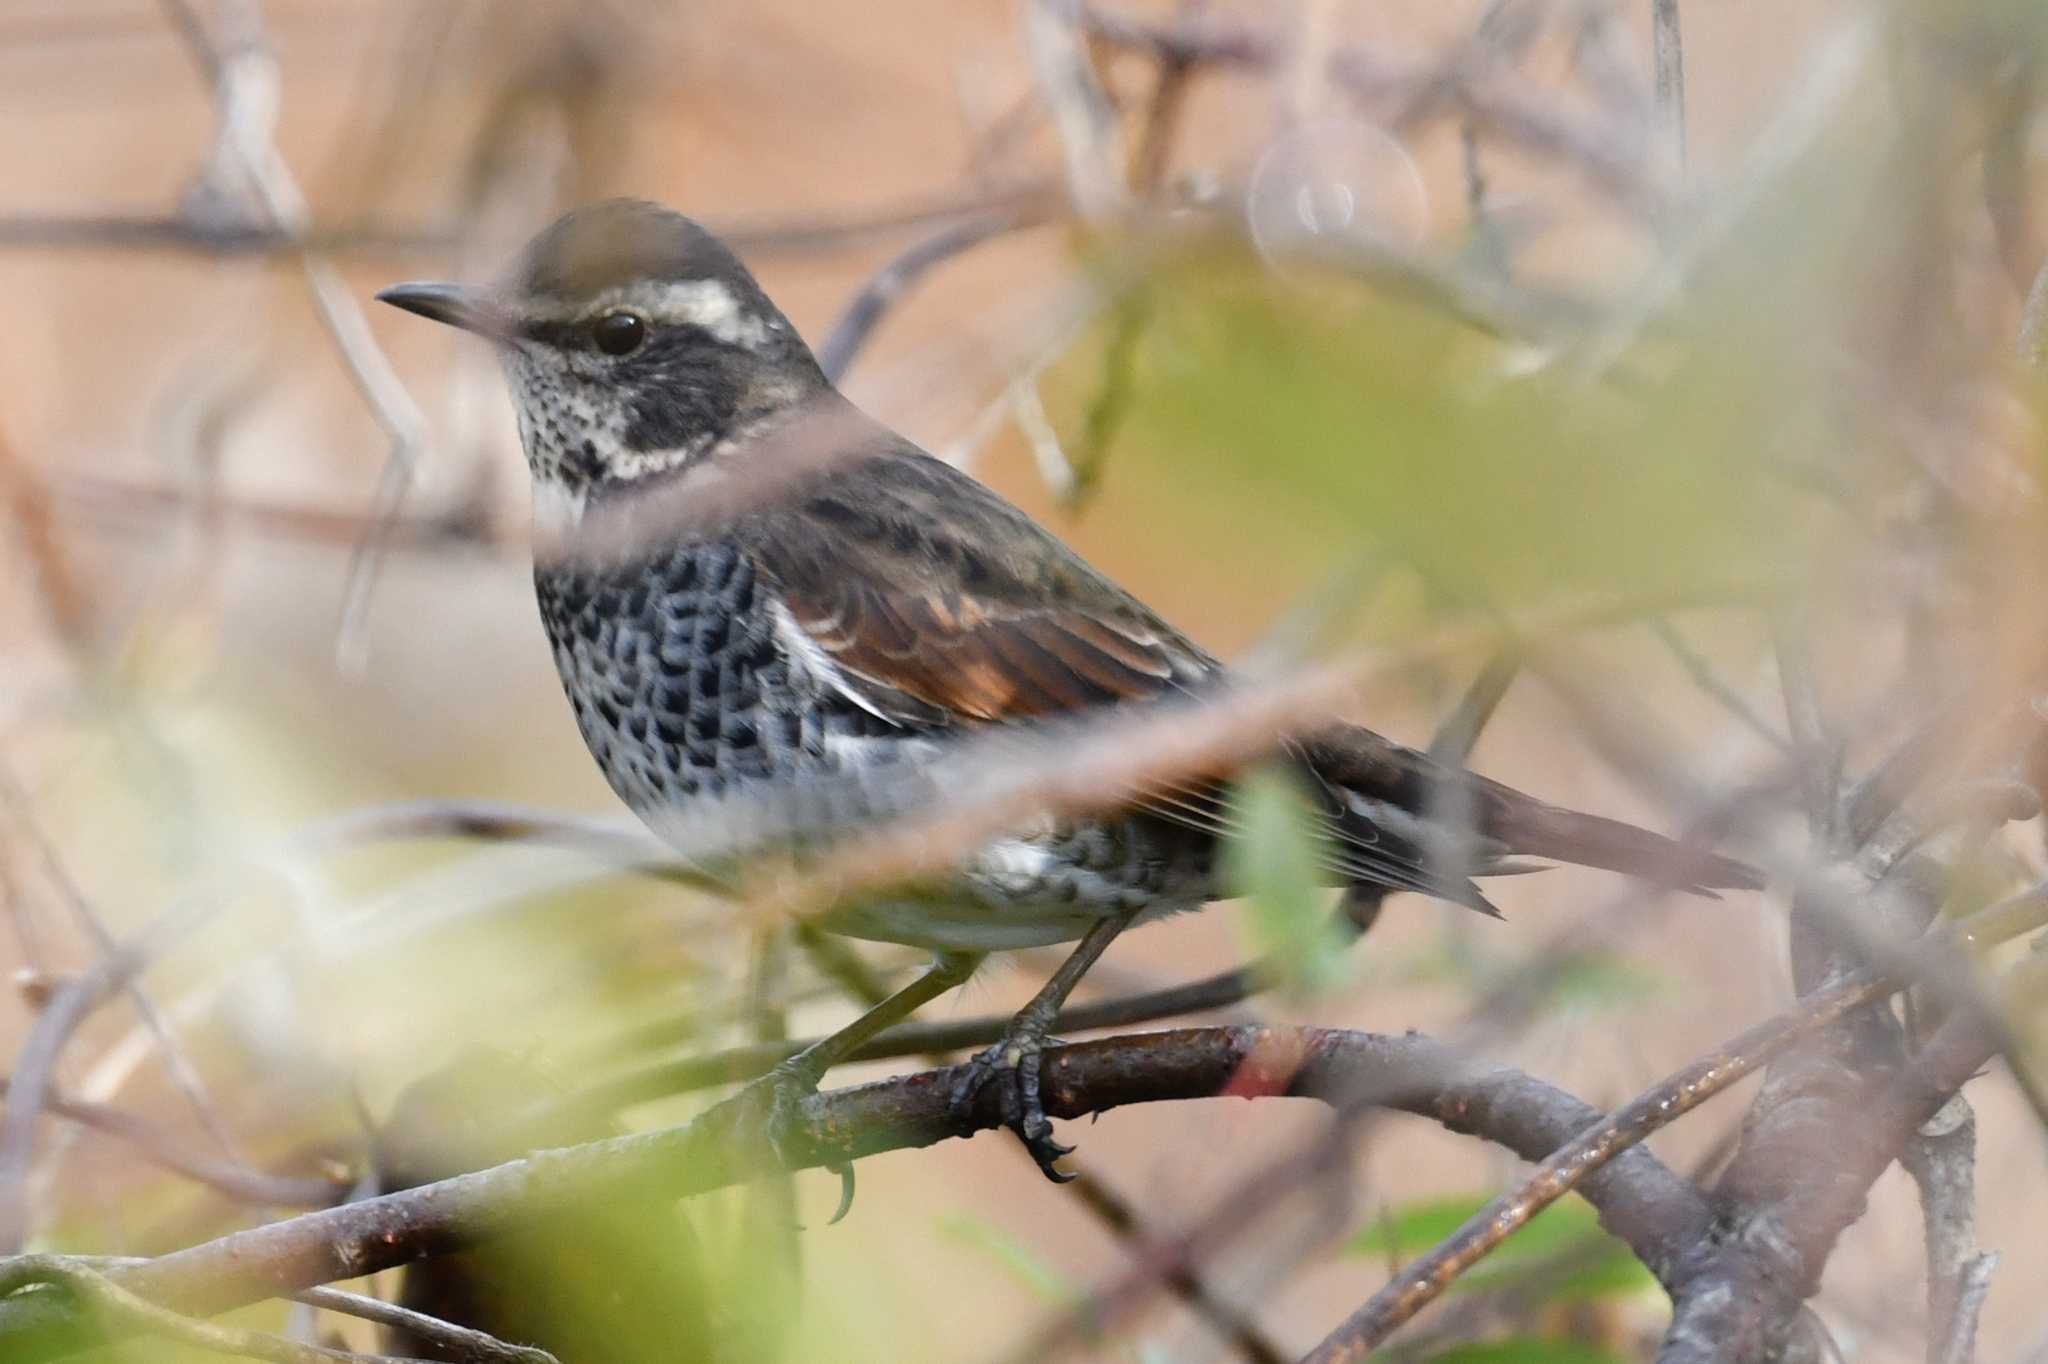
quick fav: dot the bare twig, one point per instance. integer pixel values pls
(77, 998)
(1235, 1323)
(1424, 1281)
(1713, 684)
(178, 1065)
(235, 1180)
(1411, 1073)
(119, 1312)
(28, 502)
(244, 78)
(860, 317)
(473, 1347)
(1494, 100)
(1811, 742)
(1081, 108)
(1942, 1159)
(1667, 49)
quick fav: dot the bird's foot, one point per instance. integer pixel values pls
(1013, 1066)
(775, 1104)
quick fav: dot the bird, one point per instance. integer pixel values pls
(759, 598)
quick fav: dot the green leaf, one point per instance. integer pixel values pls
(1275, 862)
(1567, 1233)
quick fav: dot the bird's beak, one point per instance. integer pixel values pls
(459, 305)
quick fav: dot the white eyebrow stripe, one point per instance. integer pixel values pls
(707, 303)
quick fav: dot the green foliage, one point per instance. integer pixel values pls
(1328, 418)
(1566, 1237)
(1275, 862)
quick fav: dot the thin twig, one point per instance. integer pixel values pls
(115, 1310)
(471, 1346)
(184, 1076)
(1426, 1279)
(79, 997)
(1810, 738)
(1942, 1159)
(1667, 47)
(232, 1178)
(1235, 1323)
(849, 334)
(1081, 109)
(1714, 685)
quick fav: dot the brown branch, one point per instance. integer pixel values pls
(1640, 1199)
(1424, 1281)
(1798, 1180)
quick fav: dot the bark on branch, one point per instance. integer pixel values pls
(1639, 1199)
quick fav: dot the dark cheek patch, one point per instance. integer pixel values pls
(681, 387)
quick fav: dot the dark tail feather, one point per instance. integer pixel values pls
(1531, 828)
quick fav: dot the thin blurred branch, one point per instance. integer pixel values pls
(1495, 100)
(213, 237)
(1714, 685)
(858, 320)
(1234, 1322)
(232, 1179)
(1090, 134)
(1667, 50)
(29, 504)
(26, 1279)
(78, 997)
(468, 1345)
(184, 1076)
(473, 1347)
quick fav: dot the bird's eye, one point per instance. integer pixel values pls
(618, 333)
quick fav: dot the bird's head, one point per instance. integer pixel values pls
(635, 343)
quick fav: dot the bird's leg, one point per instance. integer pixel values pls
(1022, 1050)
(796, 1078)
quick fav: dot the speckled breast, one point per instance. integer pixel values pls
(680, 685)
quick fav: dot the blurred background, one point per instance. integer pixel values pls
(1314, 324)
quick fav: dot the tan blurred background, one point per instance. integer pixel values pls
(190, 469)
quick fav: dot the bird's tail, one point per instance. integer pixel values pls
(1531, 828)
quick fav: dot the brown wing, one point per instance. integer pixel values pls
(922, 585)
(941, 605)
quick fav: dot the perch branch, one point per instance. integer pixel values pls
(1641, 1201)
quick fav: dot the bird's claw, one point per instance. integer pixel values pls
(778, 1096)
(1017, 1060)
